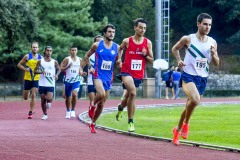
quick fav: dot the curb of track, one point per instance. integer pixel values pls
(83, 117)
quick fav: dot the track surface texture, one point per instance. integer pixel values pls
(58, 138)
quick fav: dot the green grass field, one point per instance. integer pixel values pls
(213, 124)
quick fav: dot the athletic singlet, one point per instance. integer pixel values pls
(134, 62)
(48, 78)
(72, 73)
(31, 64)
(104, 61)
(198, 56)
(90, 76)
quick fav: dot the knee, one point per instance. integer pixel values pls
(195, 100)
(132, 94)
(101, 95)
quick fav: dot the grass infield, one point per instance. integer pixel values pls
(212, 124)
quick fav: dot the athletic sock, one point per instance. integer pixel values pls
(120, 108)
(130, 120)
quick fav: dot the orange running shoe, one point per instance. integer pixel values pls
(92, 128)
(176, 136)
(91, 111)
(185, 131)
(30, 115)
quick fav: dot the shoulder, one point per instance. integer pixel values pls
(186, 38)
(66, 59)
(148, 41)
(212, 40)
(126, 40)
(96, 44)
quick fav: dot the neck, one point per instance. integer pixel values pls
(47, 58)
(137, 38)
(107, 42)
(201, 37)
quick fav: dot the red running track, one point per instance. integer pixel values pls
(58, 138)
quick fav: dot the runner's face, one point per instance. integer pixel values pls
(140, 29)
(48, 52)
(35, 48)
(73, 52)
(110, 34)
(205, 26)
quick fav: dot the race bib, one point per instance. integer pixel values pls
(201, 63)
(73, 71)
(106, 65)
(136, 65)
(47, 74)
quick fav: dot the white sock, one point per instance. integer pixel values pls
(49, 105)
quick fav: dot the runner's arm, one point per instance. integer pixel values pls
(183, 42)
(149, 56)
(22, 62)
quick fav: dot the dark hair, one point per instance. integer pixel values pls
(108, 26)
(202, 16)
(47, 48)
(98, 36)
(73, 46)
(136, 21)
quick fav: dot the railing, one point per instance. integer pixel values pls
(13, 91)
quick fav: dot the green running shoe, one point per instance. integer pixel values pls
(119, 115)
(131, 127)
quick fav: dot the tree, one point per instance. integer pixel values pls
(65, 23)
(59, 23)
(232, 17)
(122, 13)
(18, 24)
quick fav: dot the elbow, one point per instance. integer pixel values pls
(174, 50)
(151, 62)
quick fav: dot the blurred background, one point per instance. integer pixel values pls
(63, 23)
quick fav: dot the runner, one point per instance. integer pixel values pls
(47, 68)
(71, 66)
(200, 50)
(27, 64)
(106, 52)
(138, 52)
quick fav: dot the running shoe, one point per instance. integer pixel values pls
(92, 128)
(91, 111)
(131, 127)
(44, 117)
(185, 131)
(176, 136)
(119, 115)
(68, 115)
(30, 115)
(72, 113)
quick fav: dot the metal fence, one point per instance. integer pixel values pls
(13, 91)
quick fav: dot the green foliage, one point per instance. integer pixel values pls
(18, 24)
(60, 24)
(66, 23)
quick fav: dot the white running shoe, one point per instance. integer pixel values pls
(44, 117)
(73, 114)
(68, 114)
